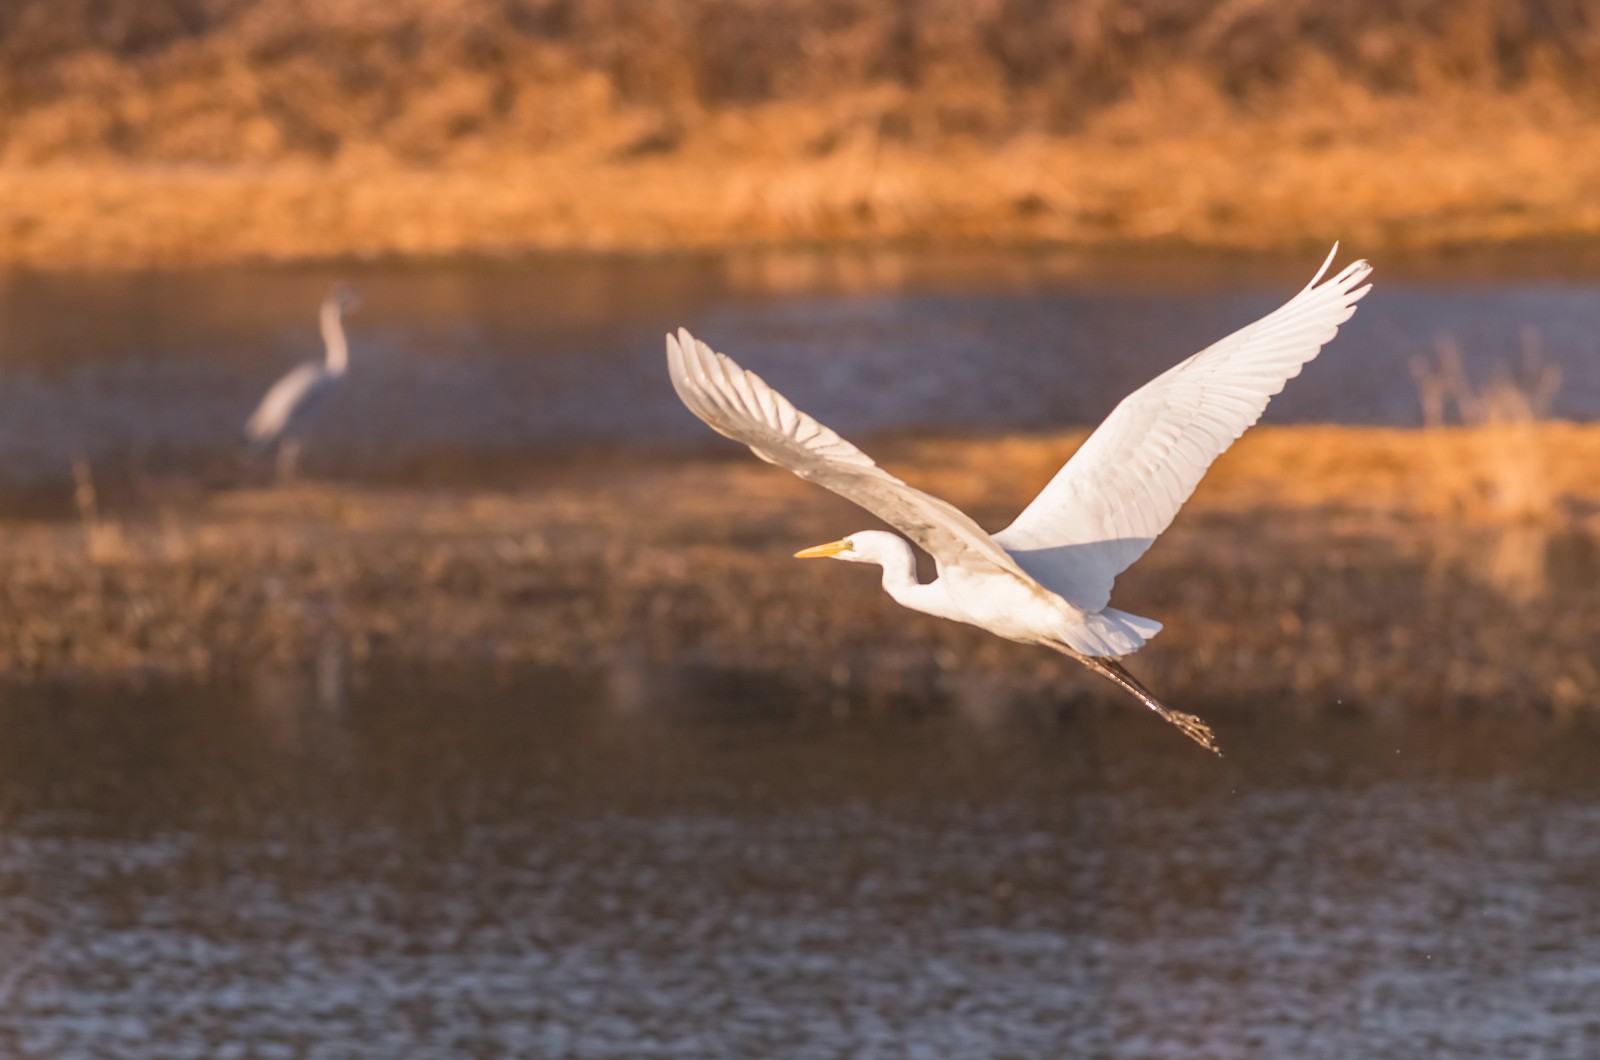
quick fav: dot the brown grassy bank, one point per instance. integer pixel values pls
(167, 131)
(1315, 565)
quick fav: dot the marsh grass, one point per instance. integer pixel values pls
(194, 130)
(419, 81)
(1504, 476)
(102, 538)
(1521, 533)
(1299, 575)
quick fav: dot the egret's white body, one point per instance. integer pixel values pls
(1045, 579)
(289, 405)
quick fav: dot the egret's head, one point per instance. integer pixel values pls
(863, 546)
(343, 297)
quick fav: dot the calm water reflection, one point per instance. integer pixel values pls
(465, 367)
(654, 865)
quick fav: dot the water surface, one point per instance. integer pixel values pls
(665, 864)
(460, 368)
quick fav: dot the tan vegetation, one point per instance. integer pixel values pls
(1507, 413)
(1501, 465)
(1315, 565)
(164, 131)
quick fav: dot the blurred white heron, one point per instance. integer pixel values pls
(1045, 579)
(289, 405)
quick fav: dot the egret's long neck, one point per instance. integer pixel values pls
(899, 572)
(900, 582)
(333, 337)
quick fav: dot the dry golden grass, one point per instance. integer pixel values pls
(1243, 183)
(1506, 413)
(1314, 565)
(181, 131)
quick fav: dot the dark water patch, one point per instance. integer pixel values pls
(440, 863)
(460, 365)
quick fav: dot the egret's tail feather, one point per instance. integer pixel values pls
(1145, 627)
(1110, 634)
(1188, 724)
(1136, 627)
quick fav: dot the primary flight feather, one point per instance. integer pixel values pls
(1045, 579)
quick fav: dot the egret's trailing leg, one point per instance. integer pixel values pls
(1190, 725)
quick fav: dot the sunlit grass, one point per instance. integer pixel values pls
(1313, 564)
(1504, 474)
(286, 131)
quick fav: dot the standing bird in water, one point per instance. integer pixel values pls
(1045, 579)
(289, 405)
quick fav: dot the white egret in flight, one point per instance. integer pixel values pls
(288, 406)
(1045, 579)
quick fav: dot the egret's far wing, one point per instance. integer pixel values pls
(739, 404)
(1123, 487)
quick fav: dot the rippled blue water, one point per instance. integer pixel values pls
(686, 865)
(470, 367)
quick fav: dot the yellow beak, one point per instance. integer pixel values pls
(832, 548)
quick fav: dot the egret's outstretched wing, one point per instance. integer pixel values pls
(740, 405)
(1123, 487)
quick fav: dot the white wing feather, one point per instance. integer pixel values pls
(1126, 483)
(290, 398)
(740, 405)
